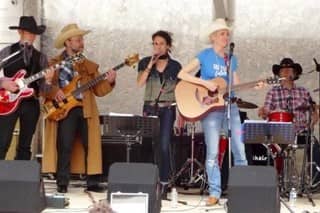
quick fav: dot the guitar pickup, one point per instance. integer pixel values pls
(55, 104)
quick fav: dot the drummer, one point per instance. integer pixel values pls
(289, 99)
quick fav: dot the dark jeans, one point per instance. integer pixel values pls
(74, 124)
(167, 116)
(28, 112)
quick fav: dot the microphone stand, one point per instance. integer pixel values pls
(2, 63)
(230, 82)
(156, 101)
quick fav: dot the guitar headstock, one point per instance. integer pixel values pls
(76, 58)
(273, 80)
(132, 59)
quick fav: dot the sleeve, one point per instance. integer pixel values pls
(103, 87)
(43, 63)
(50, 91)
(200, 56)
(143, 64)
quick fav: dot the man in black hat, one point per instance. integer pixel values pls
(28, 110)
(288, 97)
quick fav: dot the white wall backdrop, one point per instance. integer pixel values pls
(264, 32)
(123, 27)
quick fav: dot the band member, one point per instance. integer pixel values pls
(28, 110)
(290, 98)
(158, 73)
(212, 64)
(73, 144)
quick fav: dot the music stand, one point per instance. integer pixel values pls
(259, 131)
(128, 129)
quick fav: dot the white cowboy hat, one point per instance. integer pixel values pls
(68, 31)
(216, 25)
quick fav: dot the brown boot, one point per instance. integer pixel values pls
(212, 201)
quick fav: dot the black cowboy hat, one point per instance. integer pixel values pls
(28, 23)
(287, 63)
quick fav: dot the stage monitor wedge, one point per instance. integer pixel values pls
(21, 188)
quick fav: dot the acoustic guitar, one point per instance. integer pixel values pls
(194, 101)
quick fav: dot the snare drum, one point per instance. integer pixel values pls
(280, 116)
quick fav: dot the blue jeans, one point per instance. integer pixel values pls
(167, 116)
(211, 125)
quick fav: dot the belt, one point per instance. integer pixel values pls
(160, 103)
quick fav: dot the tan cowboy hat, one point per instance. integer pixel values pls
(68, 31)
(216, 25)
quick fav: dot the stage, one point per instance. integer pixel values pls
(79, 201)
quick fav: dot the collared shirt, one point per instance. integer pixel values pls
(67, 73)
(157, 81)
(291, 100)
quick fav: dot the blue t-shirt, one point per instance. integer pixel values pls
(213, 65)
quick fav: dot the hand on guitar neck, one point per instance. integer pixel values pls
(111, 76)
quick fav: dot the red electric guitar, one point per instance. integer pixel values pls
(9, 101)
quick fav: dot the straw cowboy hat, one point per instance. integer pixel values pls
(216, 25)
(28, 23)
(67, 32)
(287, 63)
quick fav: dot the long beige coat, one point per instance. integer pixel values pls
(87, 70)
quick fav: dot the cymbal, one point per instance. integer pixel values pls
(245, 105)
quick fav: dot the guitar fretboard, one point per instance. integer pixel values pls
(42, 73)
(94, 81)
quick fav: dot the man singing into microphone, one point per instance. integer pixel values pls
(212, 64)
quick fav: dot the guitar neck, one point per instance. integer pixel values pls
(94, 81)
(247, 85)
(42, 73)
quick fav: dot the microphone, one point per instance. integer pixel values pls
(317, 65)
(231, 49)
(26, 52)
(289, 103)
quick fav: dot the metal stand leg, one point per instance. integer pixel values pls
(190, 164)
(305, 185)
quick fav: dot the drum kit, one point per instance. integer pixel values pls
(284, 158)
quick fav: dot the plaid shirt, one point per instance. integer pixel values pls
(67, 73)
(289, 100)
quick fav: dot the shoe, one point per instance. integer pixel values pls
(212, 201)
(96, 188)
(62, 189)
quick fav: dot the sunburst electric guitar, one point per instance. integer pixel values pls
(55, 110)
(9, 100)
(191, 98)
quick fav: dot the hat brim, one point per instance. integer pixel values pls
(62, 37)
(205, 34)
(39, 30)
(296, 67)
